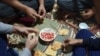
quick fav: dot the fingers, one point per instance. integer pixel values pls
(39, 12)
(36, 15)
(42, 13)
(33, 30)
(35, 40)
(63, 44)
(26, 32)
(33, 17)
(31, 41)
(67, 42)
(31, 36)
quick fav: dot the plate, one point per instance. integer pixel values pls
(47, 34)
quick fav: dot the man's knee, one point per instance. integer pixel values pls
(49, 5)
(6, 10)
(65, 4)
(60, 2)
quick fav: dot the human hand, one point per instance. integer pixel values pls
(71, 42)
(42, 11)
(31, 41)
(25, 30)
(32, 13)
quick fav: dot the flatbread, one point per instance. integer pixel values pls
(31, 34)
(63, 31)
(50, 52)
(52, 49)
(56, 45)
(39, 53)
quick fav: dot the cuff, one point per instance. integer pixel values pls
(5, 28)
(26, 52)
(86, 42)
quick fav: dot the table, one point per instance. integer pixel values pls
(48, 23)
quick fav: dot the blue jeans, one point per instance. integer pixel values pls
(68, 5)
(83, 50)
(7, 11)
(4, 51)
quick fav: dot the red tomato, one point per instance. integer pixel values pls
(47, 35)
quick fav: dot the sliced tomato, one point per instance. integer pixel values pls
(47, 35)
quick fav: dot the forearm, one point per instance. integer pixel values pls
(5, 28)
(89, 43)
(16, 4)
(26, 52)
(41, 2)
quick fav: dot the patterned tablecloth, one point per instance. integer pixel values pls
(48, 23)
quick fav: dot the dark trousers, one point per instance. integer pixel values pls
(7, 11)
(70, 5)
(83, 50)
(4, 51)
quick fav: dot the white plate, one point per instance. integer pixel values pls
(45, 32)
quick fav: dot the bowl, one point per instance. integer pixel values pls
(47, 34)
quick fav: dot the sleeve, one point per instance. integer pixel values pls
(5, 28)
(92, 43)
(26, 52)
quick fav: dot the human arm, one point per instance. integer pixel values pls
(41, 2)
(7, 28)
(72, 42)
(28, 10)
(42, 10)
(30, 45)
(89, 42)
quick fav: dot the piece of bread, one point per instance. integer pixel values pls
(63, 31)
(56, 46)
(31, 34)
(39, 53)
(50, 52)
(52, 49)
